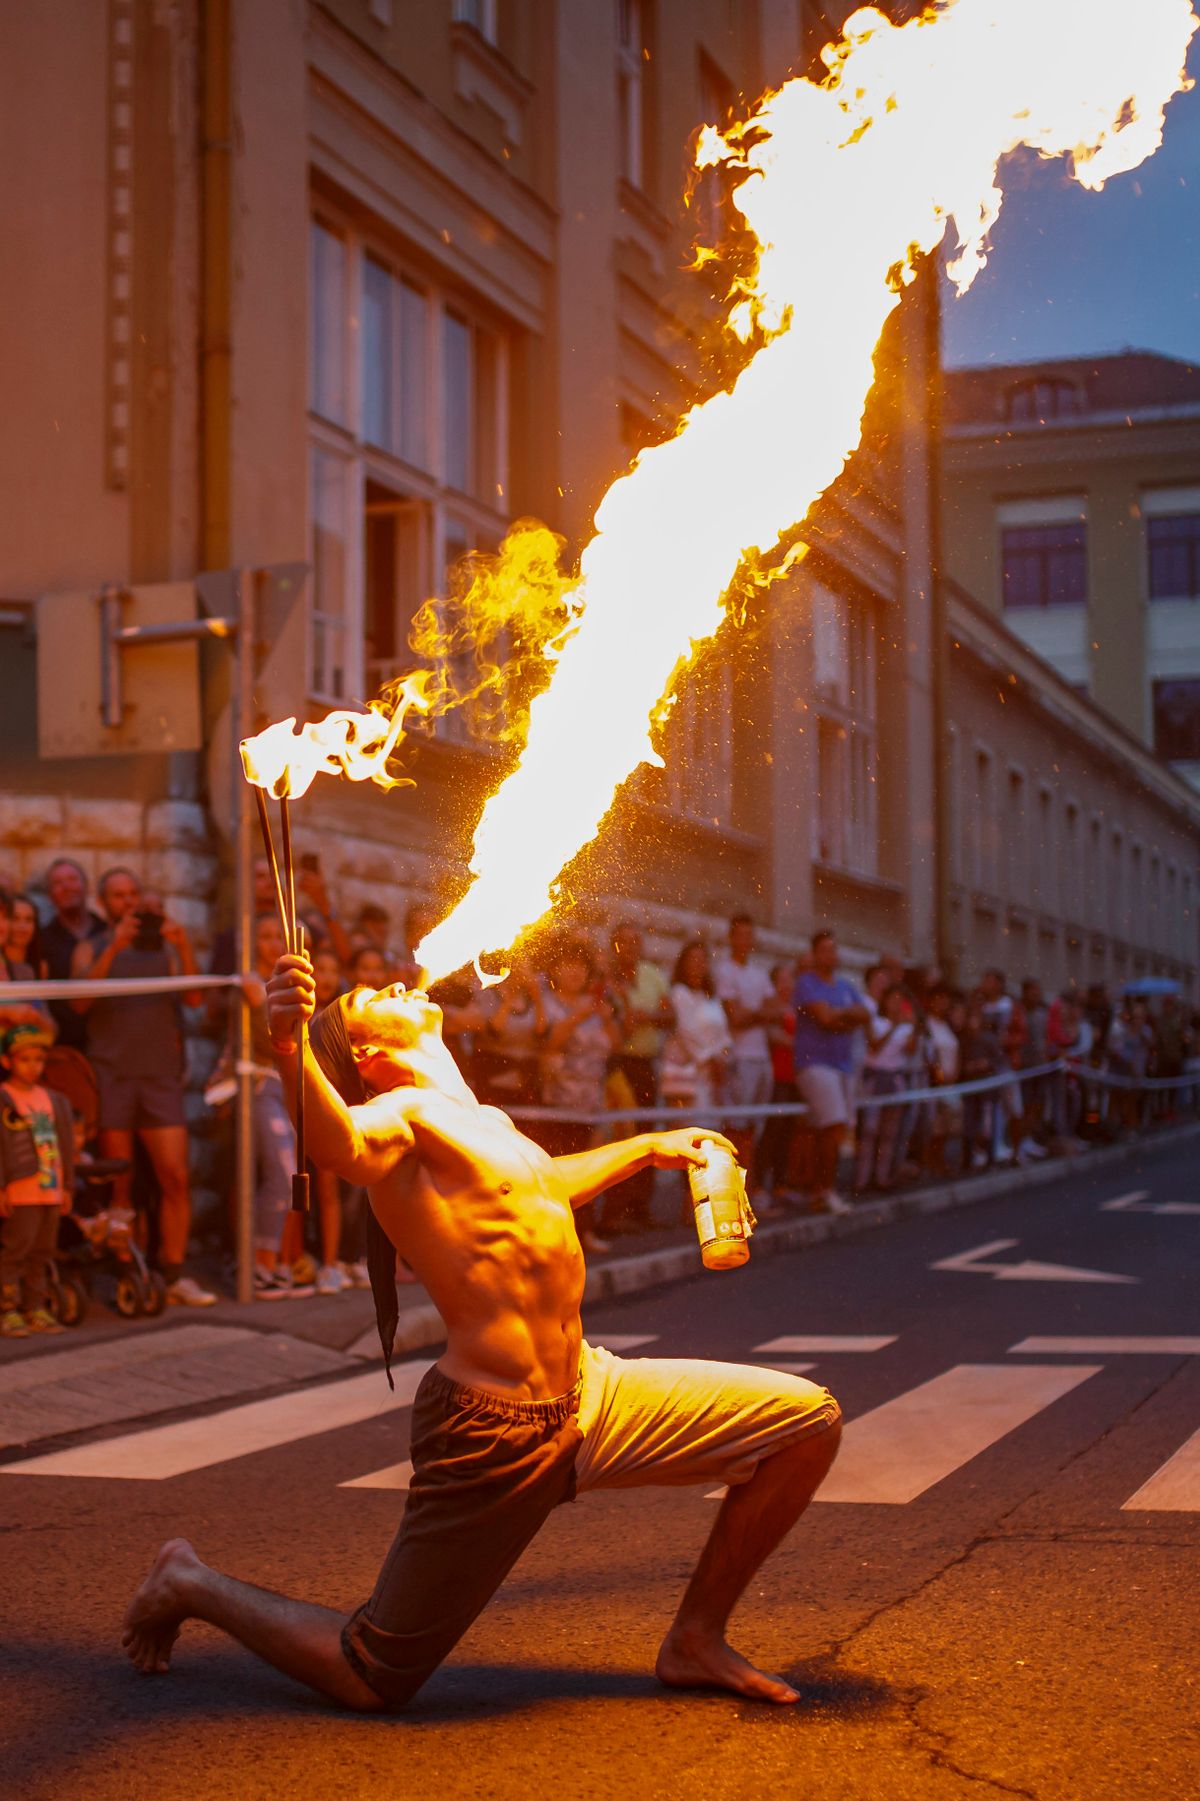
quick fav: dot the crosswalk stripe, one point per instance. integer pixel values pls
(625, 1341)
(789, 1368)
(1175, 1485)
(818, 1341)
(395, 1476)
(897, 1451)
(196, 1444)
(1111, 1347)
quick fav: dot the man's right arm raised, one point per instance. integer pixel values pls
(362, 1143)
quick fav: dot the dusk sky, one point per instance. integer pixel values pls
(1074, 273)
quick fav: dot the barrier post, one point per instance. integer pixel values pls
(241, 717)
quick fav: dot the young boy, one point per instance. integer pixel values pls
(37, 1173)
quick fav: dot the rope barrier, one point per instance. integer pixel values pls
(86, 988)
(905, 1097)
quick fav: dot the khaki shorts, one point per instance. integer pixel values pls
(827, 1095)
(669, 1422)
(488, 1471)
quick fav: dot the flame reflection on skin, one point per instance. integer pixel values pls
(844, 185)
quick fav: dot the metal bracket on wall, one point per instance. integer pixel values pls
(116, 637)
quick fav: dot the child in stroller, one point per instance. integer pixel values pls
(95, 1245)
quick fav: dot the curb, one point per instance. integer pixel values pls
(622, 1276)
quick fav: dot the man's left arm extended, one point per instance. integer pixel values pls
(589, 1173)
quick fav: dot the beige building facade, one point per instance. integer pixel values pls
(1071, 496)
(347, 288)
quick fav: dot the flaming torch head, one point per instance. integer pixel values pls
(285, 759)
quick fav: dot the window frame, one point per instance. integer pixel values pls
(423, 485)
(845, 824)
(482, 16)
(632, 46)
(1191, 548)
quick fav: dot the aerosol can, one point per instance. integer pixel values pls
(724, 1221)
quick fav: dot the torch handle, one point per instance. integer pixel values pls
(269, 847)
(289, 878)
(300, 1196)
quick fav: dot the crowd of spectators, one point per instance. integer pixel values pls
(580, 1029)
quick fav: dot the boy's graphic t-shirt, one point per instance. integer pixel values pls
(44, 1189)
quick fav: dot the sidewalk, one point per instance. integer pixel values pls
(113, 1373)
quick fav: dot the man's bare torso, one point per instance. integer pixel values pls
(482, 1217)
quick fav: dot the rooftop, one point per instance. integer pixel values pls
(1069, 389)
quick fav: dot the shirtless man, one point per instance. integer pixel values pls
(519, 1413)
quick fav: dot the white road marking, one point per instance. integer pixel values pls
(824, 1342)
(1175, 1485)
(196, 1444)
(1139, 1202)
(897, 1451)
(625, 1341)
(790, 1369)
(392, 1475)
(1110, 1347)
(972, 1263)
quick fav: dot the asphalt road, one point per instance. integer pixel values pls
(1001, 1621)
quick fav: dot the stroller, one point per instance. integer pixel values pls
(92, 1246)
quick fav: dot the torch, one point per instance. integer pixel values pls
(293, 938)
(286, 760)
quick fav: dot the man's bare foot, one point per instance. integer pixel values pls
(159, 1608)
(704, 1660)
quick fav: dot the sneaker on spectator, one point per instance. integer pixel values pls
(304, 1270)
(185, 1291)
(836, 1203)
(1030, 1148)
(42, 1320)
(592, 1241)
(1005, 1154)
(12, 1324)
(359, 1274)
(332, 1280)
(979, 1159)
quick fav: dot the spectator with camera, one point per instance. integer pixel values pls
(135, 1043)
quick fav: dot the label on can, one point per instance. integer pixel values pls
(705, 1225)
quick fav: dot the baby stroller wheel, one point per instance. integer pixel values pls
(72, 1301)
(154, 1293)
(128, 1298)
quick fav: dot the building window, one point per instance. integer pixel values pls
(1016, 827)
(1045, 876)
(711, 192)
(1177, 720)
(409, 452)
(328, 323)
(1173, 546)
(846, 829)
(632, 56)
(698, 750)
(330, 509)
(1044, 565)
(1042, 398)
(479, 13)
(1072, 851)
(1116, 886)
(1095, 886)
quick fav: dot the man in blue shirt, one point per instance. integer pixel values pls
(829, 1010)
